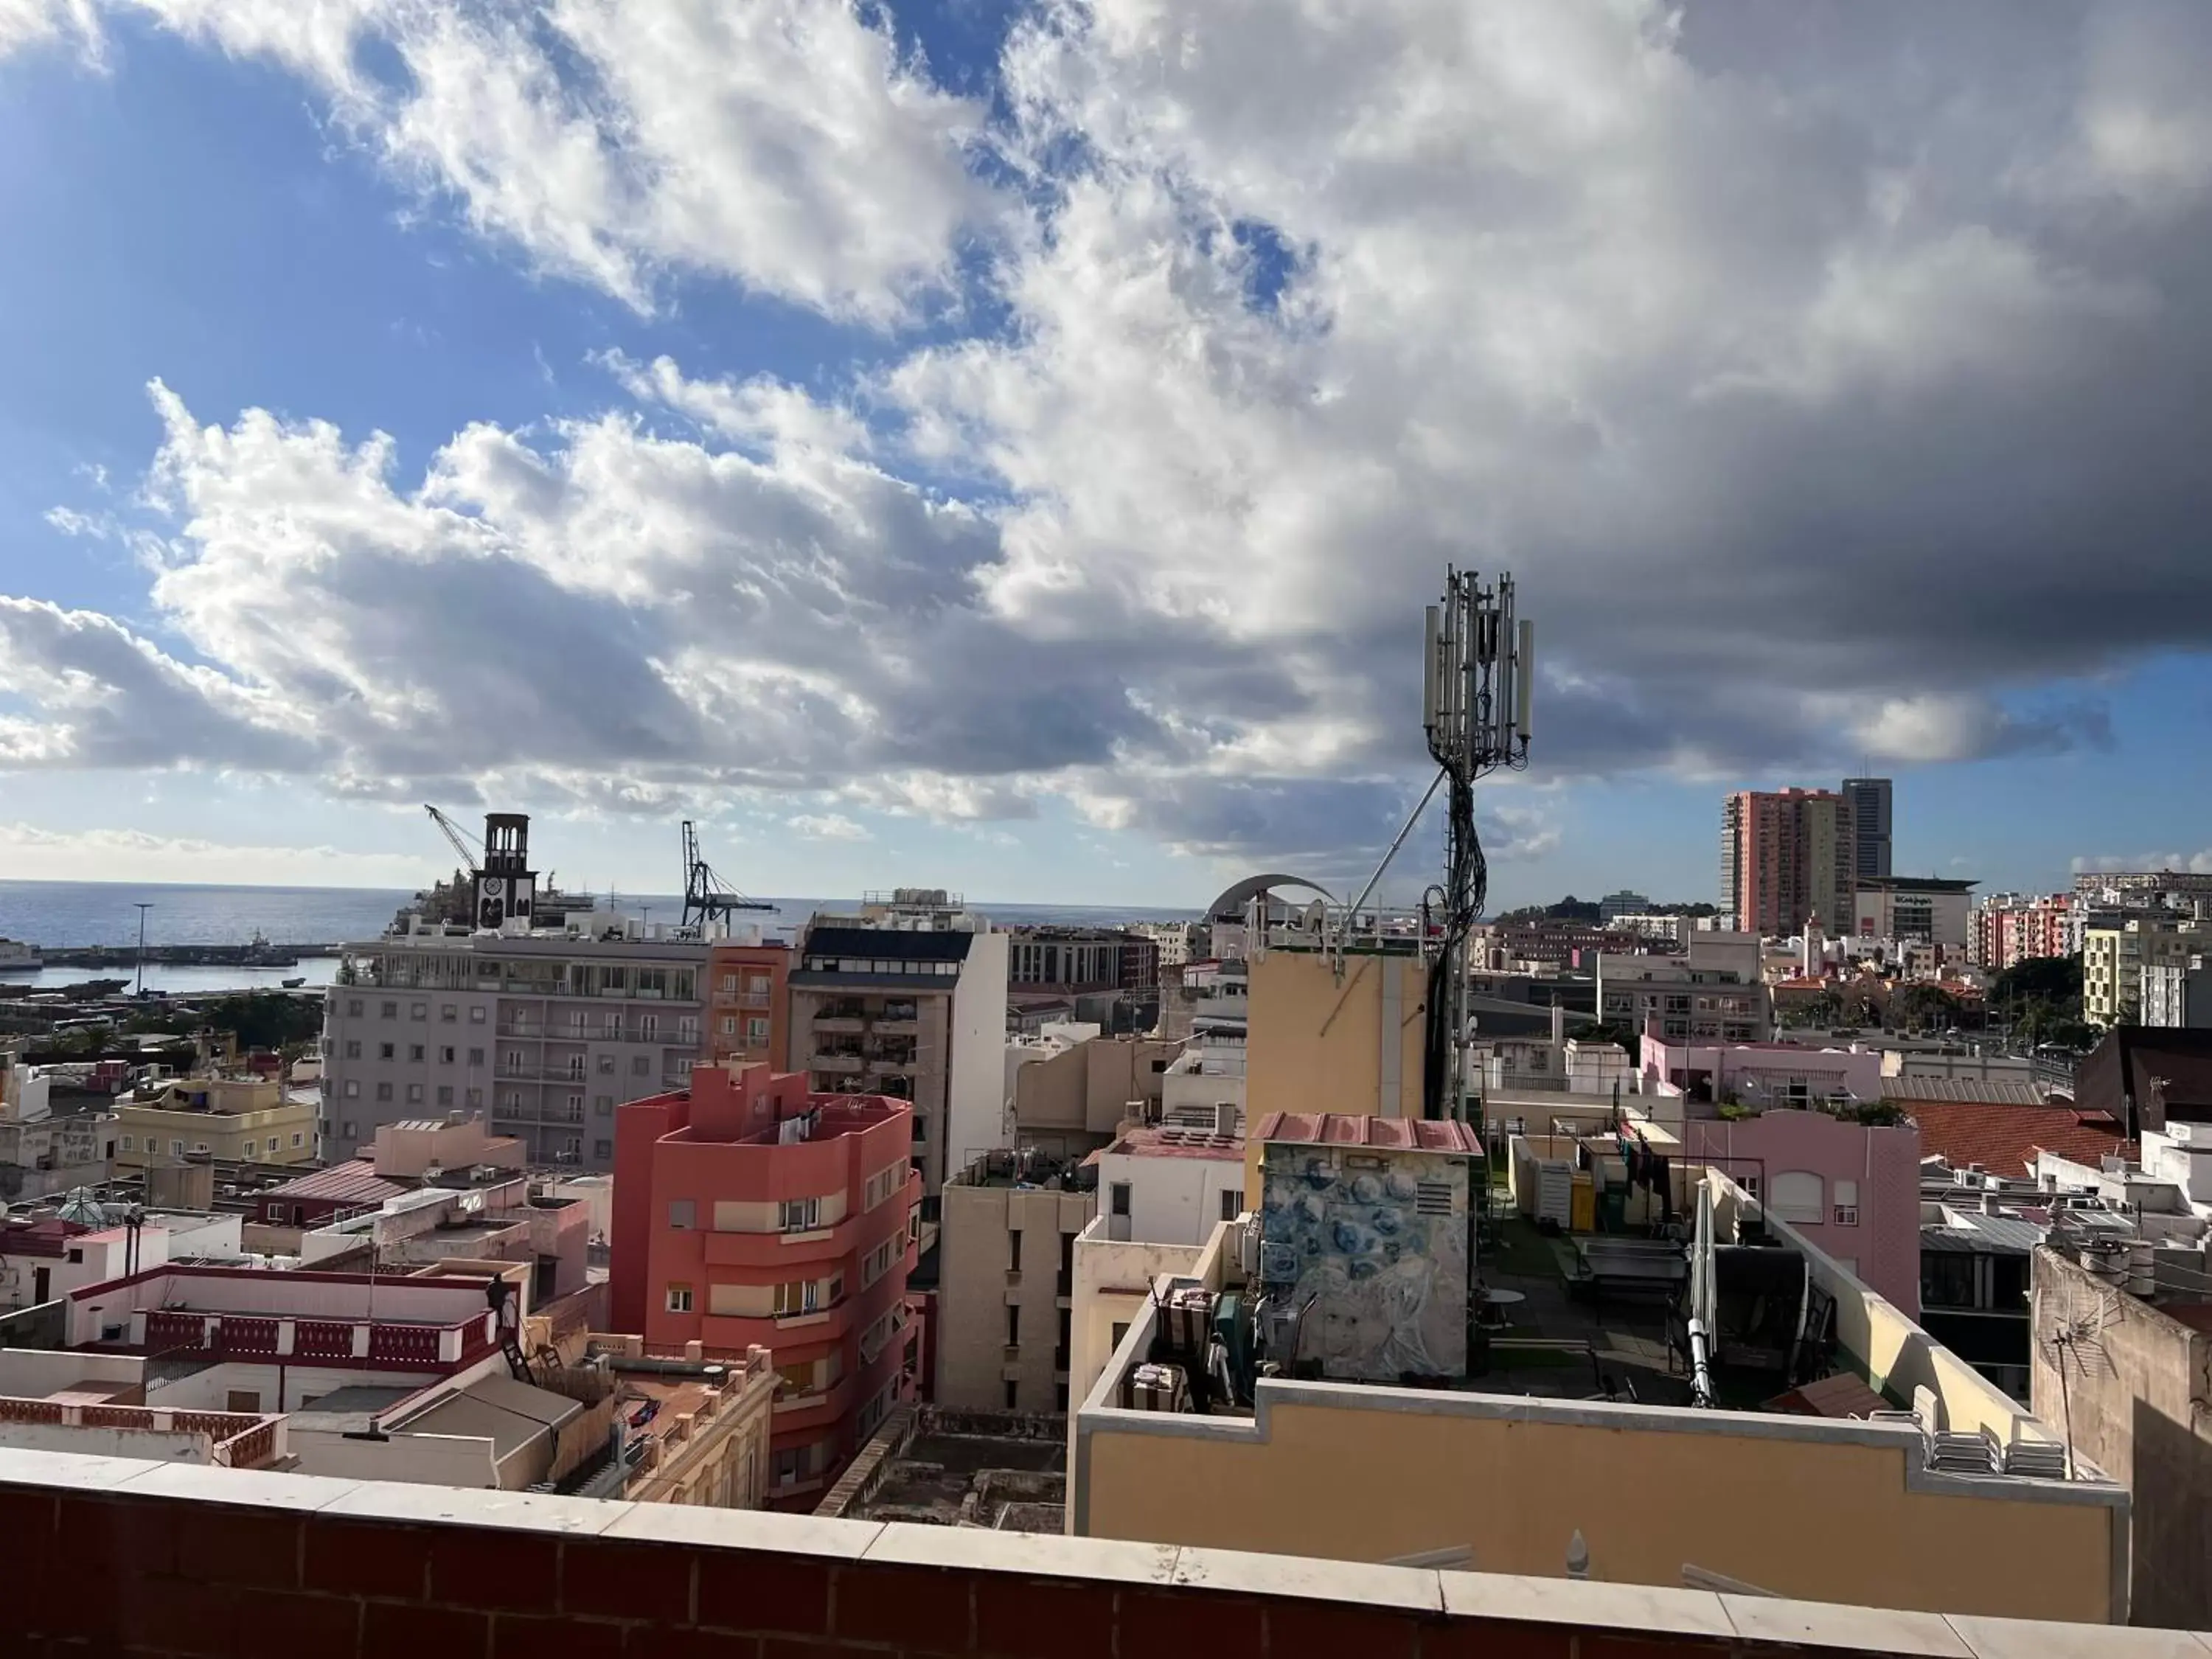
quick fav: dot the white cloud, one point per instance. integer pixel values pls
(37, 855)
(25, 24)
(828, 826)
(2198, 863)
(783, 143)
(1803, 392)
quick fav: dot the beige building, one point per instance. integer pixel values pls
(1335, 1034)
(2134, 1379)
(707, 1440)
(1073, 1089)
(1006, 1283)
(2116, 951)
(243, 1120)
(1523, 1477)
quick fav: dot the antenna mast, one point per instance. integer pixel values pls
(1477, 675)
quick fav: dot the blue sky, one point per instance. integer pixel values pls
(943, 444)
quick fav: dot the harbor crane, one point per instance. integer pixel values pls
(471, 855)
(706, 895)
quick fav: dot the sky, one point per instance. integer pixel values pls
(1008, 445)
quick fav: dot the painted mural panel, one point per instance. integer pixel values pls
(1378, 1243)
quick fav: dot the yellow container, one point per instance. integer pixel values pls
(1581, 1206)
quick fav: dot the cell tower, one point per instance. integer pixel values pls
(1478, 672)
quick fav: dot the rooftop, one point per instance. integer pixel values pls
(2006, 1139)
(969, 1469)
(1177, 1142)
(1350, 1129)
(1996, 1091)
(355, 1181)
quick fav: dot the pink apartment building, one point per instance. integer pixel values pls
(2007, 929)
(748, 1211)
(1852, 1191)
(1760, 1074)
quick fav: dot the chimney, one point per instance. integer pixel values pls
(1225, 1118)
(1990, 1204)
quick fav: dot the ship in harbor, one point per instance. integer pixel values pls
(17, 958)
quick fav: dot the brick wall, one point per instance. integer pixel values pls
(110, 1555)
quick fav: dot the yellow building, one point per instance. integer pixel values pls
(1526, 1473)
(242, 1120)
(2113, 958)
(706, 1440)
(1330, 1033)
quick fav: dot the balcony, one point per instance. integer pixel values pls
(382, 1344)
(840, 1025)
(843, 1064)
(889, 1026)
(758, 1000)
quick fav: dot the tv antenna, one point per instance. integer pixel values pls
(706, 895)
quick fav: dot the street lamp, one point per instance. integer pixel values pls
(144, 905)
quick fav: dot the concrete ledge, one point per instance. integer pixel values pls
(209, 1562)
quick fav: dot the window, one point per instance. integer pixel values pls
(687, 1029)
(648, 1028)
(729, 1026)
(602, 1149)
(1013, 1327)
(1014, 1251)
(386, 1051)
(391, 1011)
(447, 1012)
(473, 1097)
(679, 1298)
(682, 1213)
(446, 1054)
(1846, 1201)
(176, 1149)
(415, 1052)
(384, 1092)
(757, 1030)
(346, 1130)
(1119, 1197)
(299, 1140)
(802, 1296)
(353, 1007)
(641, 1065)
(419, 1011)
(413, 1094)
(801, 1214)
(353, 1088)
(352, 1049)
(1798, 1196)
(475, 1015)
(1013, 1401)
(444, 1094)
(606, 1065)
(604, 1105)
(1232, 1203)
(129, 1143)
(476, 1057)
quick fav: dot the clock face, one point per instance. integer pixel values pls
(491, 902)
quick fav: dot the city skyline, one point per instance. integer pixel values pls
(929, 446)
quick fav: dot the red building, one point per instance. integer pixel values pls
(748, 1011)
(748, 1210)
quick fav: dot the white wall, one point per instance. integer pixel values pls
(429, 1460)
(1172, 1200)
(976, 1118)
(35, 1373)
(156, 1445)
(1112, 1282)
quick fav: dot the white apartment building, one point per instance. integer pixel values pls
(914, 1007)
(1712, 993)
(546, 1033)
(1180, 942)
(2177, 994)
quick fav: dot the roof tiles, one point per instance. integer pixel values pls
(2005, 1139)
(1360, 1129)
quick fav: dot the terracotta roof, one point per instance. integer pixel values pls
(355, 1181)
(2005, 1139)
(1178, 1143)
(1352, 1129)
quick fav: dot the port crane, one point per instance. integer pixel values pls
(706, 895)
(471, 855)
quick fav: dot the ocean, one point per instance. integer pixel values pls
(54, 915)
